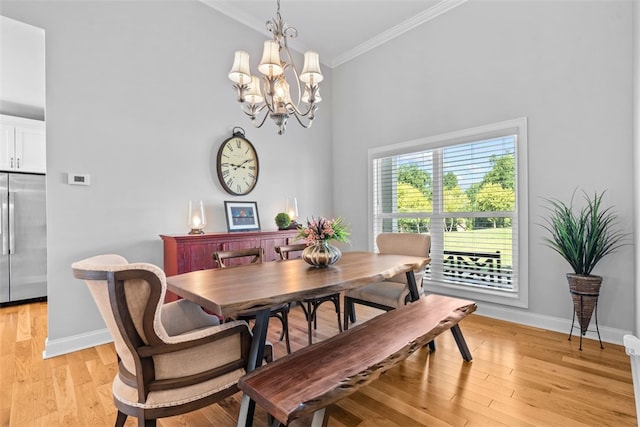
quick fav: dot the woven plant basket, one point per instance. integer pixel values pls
(584, 293)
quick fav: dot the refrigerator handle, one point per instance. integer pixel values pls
(12, 243)
(3, 224)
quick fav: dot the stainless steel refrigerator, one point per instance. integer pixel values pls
(23, 237)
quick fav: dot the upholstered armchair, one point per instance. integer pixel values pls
(392, 293)
(172, 358)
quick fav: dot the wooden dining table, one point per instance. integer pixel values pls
(258, 287)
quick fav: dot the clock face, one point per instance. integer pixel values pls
(237, 166)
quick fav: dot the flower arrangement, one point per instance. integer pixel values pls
(323, 229)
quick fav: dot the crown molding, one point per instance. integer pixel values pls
(403, 27)
(251, 22)
(419, 19)
(238, 15)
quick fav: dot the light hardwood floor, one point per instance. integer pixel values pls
(520, 376)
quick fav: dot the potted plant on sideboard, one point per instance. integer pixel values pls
(283, 221)
(583, 237)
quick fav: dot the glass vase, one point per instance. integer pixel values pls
(321, 254)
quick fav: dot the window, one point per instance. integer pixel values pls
(468, 190)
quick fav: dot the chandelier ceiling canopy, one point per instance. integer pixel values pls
(270, 94)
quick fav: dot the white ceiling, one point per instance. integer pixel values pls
(338, 30)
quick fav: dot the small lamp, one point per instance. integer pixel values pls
(292, 211)
(197, 219)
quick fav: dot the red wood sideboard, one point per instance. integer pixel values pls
(189, 252)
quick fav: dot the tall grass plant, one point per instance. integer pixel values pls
(582, 236)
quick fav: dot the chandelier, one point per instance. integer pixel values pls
(270, 94)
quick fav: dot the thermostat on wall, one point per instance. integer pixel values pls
(78, 179)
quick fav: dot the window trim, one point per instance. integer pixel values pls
(519, 298)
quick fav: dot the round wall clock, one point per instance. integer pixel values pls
(237, 164)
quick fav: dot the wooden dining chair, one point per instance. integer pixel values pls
(310, 305)
(392, 293)
(172, 358)
(232, 258)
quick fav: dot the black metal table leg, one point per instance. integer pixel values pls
(256, 354)
(414, 295)
(462, 344)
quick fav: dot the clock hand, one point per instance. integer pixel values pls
(240, 165)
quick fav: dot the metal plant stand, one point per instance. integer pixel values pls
(582, 296)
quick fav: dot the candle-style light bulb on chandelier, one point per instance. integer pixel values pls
(271, 92)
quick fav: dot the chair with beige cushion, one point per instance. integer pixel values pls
(172, 358)
(310, 305)
(392, 293)
(237, 257)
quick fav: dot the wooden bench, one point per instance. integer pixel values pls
(313, 378)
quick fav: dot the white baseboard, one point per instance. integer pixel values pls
(73, 343)
(557, 324)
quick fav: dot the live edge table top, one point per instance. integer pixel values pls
(257, 286)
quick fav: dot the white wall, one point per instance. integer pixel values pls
(138, 97)
(565, 65)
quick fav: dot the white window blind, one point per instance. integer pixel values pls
(465, 190)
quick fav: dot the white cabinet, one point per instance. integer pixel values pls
(22, 145)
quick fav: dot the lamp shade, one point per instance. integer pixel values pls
(270, 65)
(253, 94)
(311, 73)
(240, 72)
